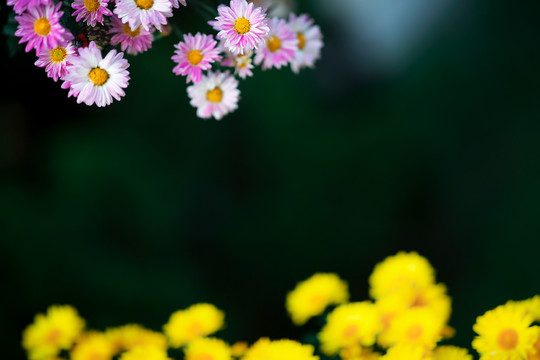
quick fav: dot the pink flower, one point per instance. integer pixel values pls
(147, 13)
(176, 5)
(215, 95)
(40, 27)
(133, 42)
(241, 26)
(91, 11)
(56, 60)
(309, 42)
(97, 80)
(194, 54)
(242, 63)
(20, 6)
(279, 46)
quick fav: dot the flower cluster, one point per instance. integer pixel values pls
(406, 318)
(83, 43)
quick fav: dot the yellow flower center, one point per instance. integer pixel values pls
(201, 357)
(242, 26)
(127, 30)
(214, 95)
(301, 40)
(350, 330)
(52, 336)
(194, 57)
(91, 5)
(414, 332)
(98, 76)
(58, 54)
(144, 4)
(42, 26)
(274, 44)
(508, 339)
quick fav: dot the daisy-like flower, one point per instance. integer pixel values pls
(242, 63)
(188, 324)
(40, 27)
(505, 333)
(283, 349)
(52, 332)
(207, 348)
(92, 345)
(279, 46)
(20, 6)
(147, 13)
(448, 352)
(97, 80)
(406, 351)
(241, 25)
(309, 41)
(215, 95)
(132, 42)
(176, 3)
(56, 60)
(195, 54)
(145, 353)
(91, 11)
(127, 337)
(312, 296)
(350, 324)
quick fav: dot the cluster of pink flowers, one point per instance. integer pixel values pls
(245, 37)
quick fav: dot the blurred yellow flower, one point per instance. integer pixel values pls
(312, 296)
(504, 333)
(534, 353)
(147, 352)
(416, 326)
(284, 349)
(407, 352)
(126, 337)
(198, 320)
(448, 352)
(239, 348)
(398, 271)
(207, 349)
(52, 332)
(348, 325)
(92, 345)
(358, 352)
(531, 306)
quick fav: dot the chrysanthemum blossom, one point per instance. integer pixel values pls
(198, 320)
(283, 349)
(215, 95)
(148, 13)
(195, 54)
(505, 333)
(207, 348)
(91, 11)
(176, 3)
(242, 63)
(310, 41)
(129, 336)
(56, 60)
(97, 80)
(145, 353)
(279, 46)
(132, 42)
(312, 296)
(449, 352)
(20, 6)
(404, 269)
(52, 332)
(40, 27)
(241, 25)
(350, 324)
(92, 345)
(407, 351)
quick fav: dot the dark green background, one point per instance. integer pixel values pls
(139, 209)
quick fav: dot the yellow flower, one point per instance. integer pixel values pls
(348, 325)
(284, 349)
(504, 333)
(416, 326)
(398, 271)
(313, 295)
(357, 352)
(407, 352)
(239, 348)
(196, 321)
(534, 353)
(207, 349)
(92, 345)
(126, 337)
(448, 352)
(531, 306)
(51, 332)
(147, 352)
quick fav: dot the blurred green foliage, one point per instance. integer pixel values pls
(136, 210)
